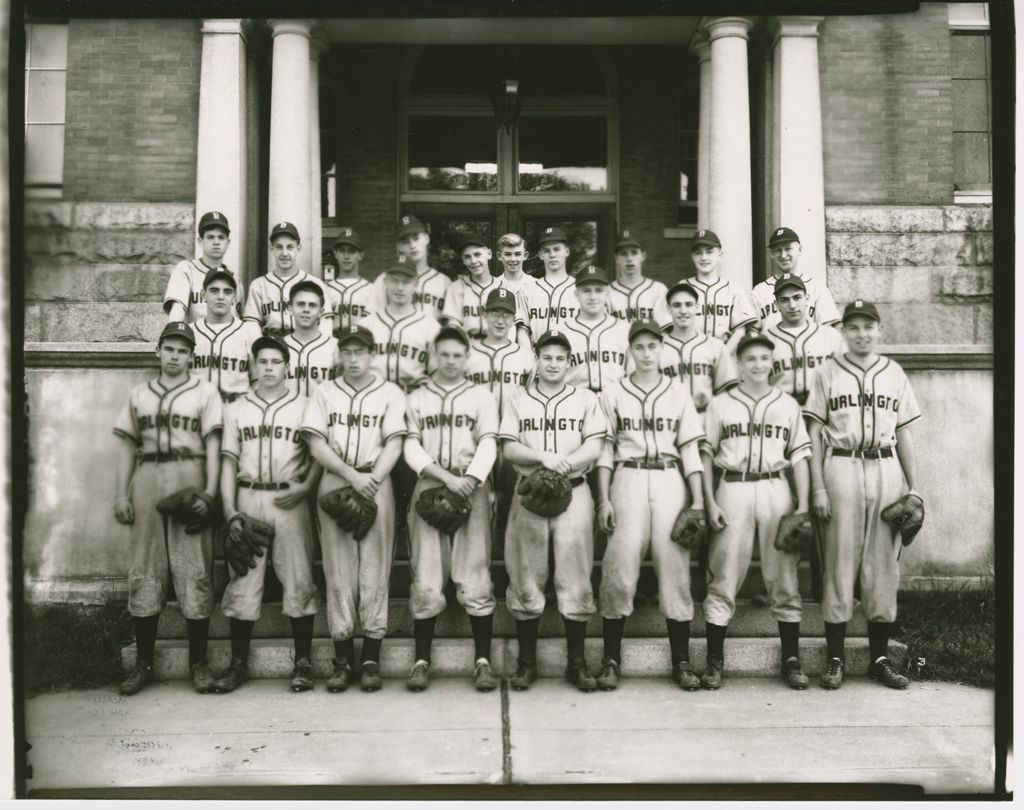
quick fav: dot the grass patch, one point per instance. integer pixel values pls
(74, 646)
(953, 631)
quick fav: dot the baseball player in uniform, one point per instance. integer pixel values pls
(355, 426)
(801, 345)
(183, 300)
(552, 299)
(723, 309)
(860, 413)
(753, 434)
(562, 428)
(349, 294)
(599, 340)
(267, 304)
(632, 297)
(170, 430)
(464, 304)
(313, 355)
(701, 362)
(652, 447)
(432, 286)
(223, 340)
(268, 474)
(512, 256)
(784, 248)
(452, 442)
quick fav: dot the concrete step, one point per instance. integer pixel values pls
(646, 621)
(272, 658)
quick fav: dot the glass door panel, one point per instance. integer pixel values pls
(448, 222)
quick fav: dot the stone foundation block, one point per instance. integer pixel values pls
(883, 219)
(83, 247)
(880, 284)
(927, 323)
(900, 249)
(963, 282)
(967, 217)
(131, 215)
(101, 322)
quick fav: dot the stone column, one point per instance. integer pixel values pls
(222, 150)
(799, 179)
(318, 47)
(289, 131)
(701, 48)
(729, 165)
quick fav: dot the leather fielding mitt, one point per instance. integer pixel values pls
(546, 492)
(443, 509)
(247, 538)
(351, 511)
(795, 533)
(190, 506)
(690, 529)
(906, 516)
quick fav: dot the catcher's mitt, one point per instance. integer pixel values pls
(247, 538)
(351, 511)
(443, 509)
(190, 506)
(546, 492)
(690, 529)
(906, 516)
(795, 532)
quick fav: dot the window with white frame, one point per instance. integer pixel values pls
(46, 60)
(971, 74)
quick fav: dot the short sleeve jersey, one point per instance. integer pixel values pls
(265, 438)
(650, 425)
(798, 355)
(465, 303)
(722, 307)
(861, 409)
(171, 420)
(312, 363)
(356, 424)
(549, 305)
(185, 287)
(404, 346)
(822, 306)
(745, 435)
(644, 301)
(703, 364)
(599, 354)
(223, 354)
(267, 304)
(432, 289)
(351, 301)
(450, 423)
(499, 369)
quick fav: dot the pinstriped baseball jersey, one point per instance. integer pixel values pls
(722, 307)
(798, 355)
(548, 305)
(450, 423)
(265, 437)
(267, 304)
(351, 301)
(404, 346)
(653, 425)
(861, 409)
(559, 423)
(171, 420)
(599, 355)
(644, 301)
(312, 363)
(432, 288)
(754, 436)
(223, 354)
(703, 364)
(465, 303)
(185, 287)
(822, 307)
(500, 369)
(356, 423)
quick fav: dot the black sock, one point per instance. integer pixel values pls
(345, 649)
(241, 632)
(835, 639)
(423, 632)
(371, 649)
(716, 639)
(145, 637)
(575, 636)
(678, 640)
(526, 632)
(198, 633)
(302, 632)
(483, 629)
(789, 634)
(878, 639)
(612, 630)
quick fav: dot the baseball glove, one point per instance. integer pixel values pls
(350, 510)
(546, 492)
(247, 538)
(795, 532)
(190, 506)
(906, 516)
(690, 529)
(443, 509)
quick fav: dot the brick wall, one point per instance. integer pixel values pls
(132, 110)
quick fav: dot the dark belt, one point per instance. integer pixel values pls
(274, 485)
(881, 452)
(160, 458)
(671, 464)
(763, 476)
(701, 410)
(230, 397)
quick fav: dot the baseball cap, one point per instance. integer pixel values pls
(552, 336)
(552, 234)
(402, 269)
(789, 280)
(682, 286)
(213, 219)
(591, 274)
(705, 238)
(645, 325)
(860, 307)
(501, 298)
(269, 342)
(408, 225)
(780, 235)
(220, 275)
(286, 229)
(626, 239)
(452, 331)
(178, 329)
(348, 236)
(752, 337)
(357, 333)
(464, 240)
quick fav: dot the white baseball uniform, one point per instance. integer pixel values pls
(311, 364)
(185, 287)
(549, 305)
(703, 364)
(500, 369)
(798, 355)
(404, 346)
(465, 303)
(600, 352)
(645, 301)
(822, 308)
(432, 289)
(351, 300)
(267, 304)
(223, 355)
(722, 307)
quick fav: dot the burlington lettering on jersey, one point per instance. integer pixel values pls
(645, 424)
(393, 348)
(253, 432)
(597, 356)
(863, 401)
(149, 421)
(224, 363)
(442, 420)
(557, 423)
(359, 420)
(754, 430)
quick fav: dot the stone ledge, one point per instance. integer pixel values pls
(908, 219)
(110, 215)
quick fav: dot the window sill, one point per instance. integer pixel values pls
(972, 197)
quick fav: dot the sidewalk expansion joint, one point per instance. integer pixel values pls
(506, 737)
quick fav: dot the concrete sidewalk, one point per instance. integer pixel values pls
(753, 730)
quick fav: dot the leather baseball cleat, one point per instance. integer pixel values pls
(202, 678)
(579, 675)
(484, 676)
(419, 677)
(608, 680)
(231, 678)
(340, 676)
(793, 674)
(141, 675)
(369, 678)
(832, 678)
(685, 677)
(883, 672)
(302, 675)
(713, 673)
(525, 675)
